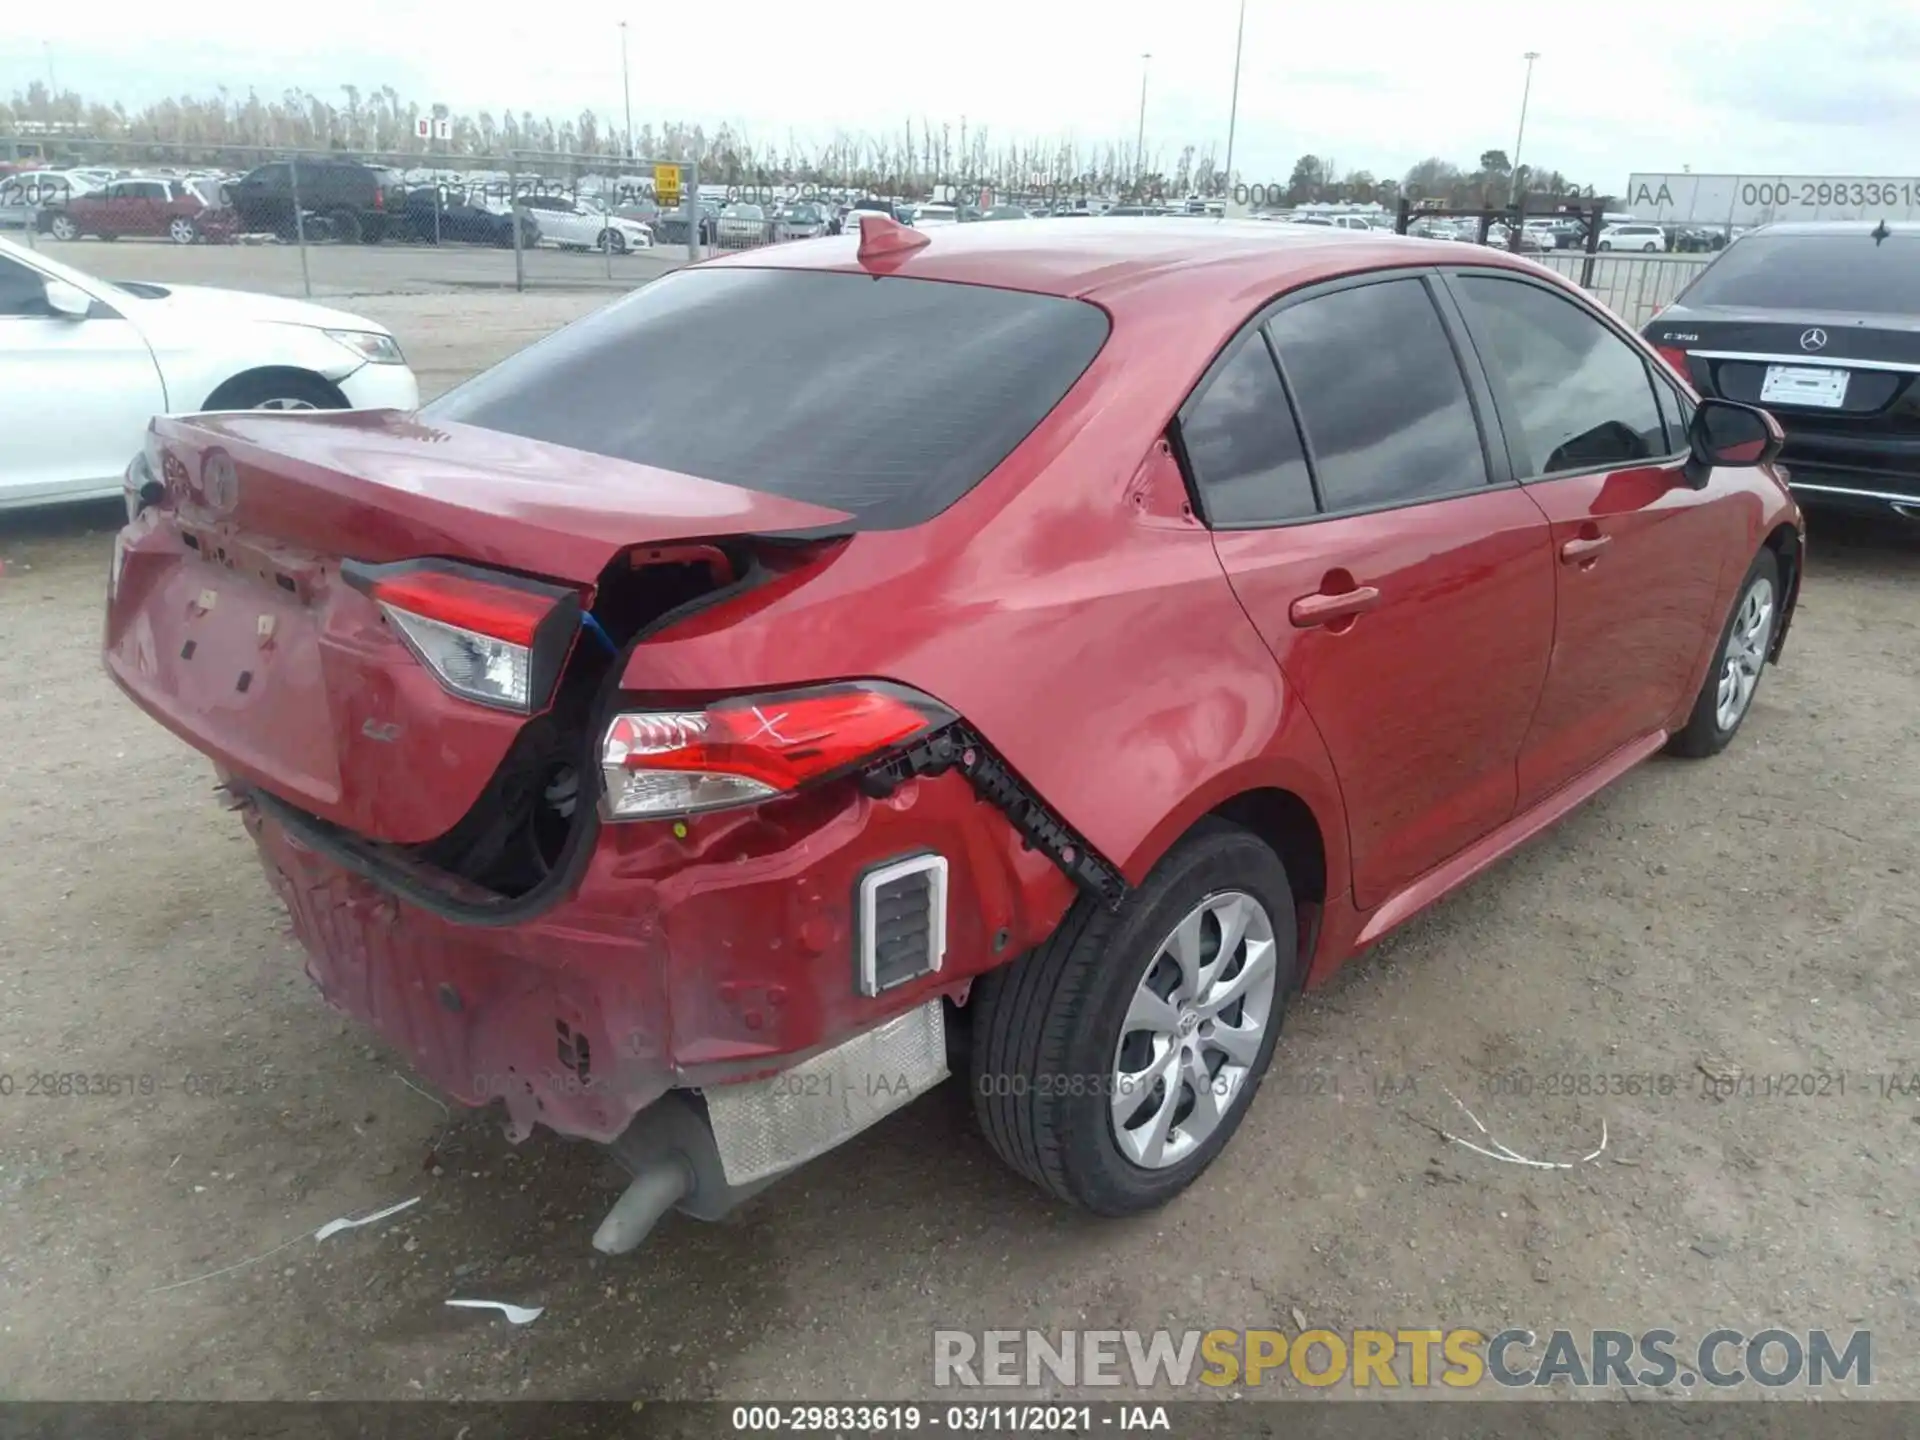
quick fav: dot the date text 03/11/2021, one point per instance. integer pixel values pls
(977, 1419)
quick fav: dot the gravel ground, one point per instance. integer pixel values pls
(1751, 916)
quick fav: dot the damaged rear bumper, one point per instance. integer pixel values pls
(714, 957)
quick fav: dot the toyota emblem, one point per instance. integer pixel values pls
(1814, 339)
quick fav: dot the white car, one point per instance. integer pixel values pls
(578, 225)
(84, 364)
(926, 216)
(1649, 238)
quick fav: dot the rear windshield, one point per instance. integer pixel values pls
(1814, 272)
(885, 397)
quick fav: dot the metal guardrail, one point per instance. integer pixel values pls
(1634, 286)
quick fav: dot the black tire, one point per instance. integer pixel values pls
(1606, 244)
(344, 226)
(1058, 1014)
(612, 240)
(1703, 734)
(280, 389)
(61, 227)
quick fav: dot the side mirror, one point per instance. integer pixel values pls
(1726, 433)
(69, 302)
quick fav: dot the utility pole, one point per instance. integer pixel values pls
(1525, 92)
(1233, 110)
(626, 87)
(1140, 138)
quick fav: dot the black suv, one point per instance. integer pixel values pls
(351, 201)
(1818, 322)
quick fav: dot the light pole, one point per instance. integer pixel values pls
(626, 87)
(1233, 108)
(1140, 137)
(1525, 92)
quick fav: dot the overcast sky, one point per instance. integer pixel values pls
(1757, 86)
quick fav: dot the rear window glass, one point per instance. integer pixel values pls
(885, 397)
(1814, 272)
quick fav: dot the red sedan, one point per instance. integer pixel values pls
(699, 746)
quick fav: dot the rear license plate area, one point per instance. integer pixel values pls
(1818, 387)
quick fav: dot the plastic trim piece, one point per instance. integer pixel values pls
(957, 747)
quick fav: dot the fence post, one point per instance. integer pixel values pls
(606, 224)
(1593, 247)
(691, 200)
(513, 211)
(438, 186)
(1402, 215)
(1519, 221)
(299, 224)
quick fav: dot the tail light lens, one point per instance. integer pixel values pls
(495, 639)
(737, 751)
(1676, 359)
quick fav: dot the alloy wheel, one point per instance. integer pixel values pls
(1194, 1030)
(1746, 653)
(286, 402)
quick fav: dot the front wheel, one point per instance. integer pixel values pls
(1606, 244)
(613, 241)
(1112, 1065)
(1727, 693)
(61, 227)
(277, 390)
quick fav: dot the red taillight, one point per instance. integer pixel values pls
(1676, 359)
(496, 639)
(379, 199)
(481, 605)
(737, 751)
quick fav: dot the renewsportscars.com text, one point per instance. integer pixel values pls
(1459, 1359)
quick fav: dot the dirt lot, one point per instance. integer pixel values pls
(1753, 915)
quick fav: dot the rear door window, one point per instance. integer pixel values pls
(1574, 394)
(1380, 395)
(718, 373)
(1243, 446)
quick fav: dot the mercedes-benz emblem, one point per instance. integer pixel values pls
(1814, 339)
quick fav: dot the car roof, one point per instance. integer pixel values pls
(1133, 257)
(1838, 227)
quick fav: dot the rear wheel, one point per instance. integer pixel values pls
(1649, 247)
(61, 227)
(1727, 693)
(1114, 1063)
(344, 225)
(181, 231)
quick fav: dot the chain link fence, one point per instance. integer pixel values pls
(334, 222)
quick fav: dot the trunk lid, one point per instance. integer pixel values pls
(1731, 350)
(229, 622)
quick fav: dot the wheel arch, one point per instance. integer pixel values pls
(1789, 548)
(217, 398)
(1295, 811)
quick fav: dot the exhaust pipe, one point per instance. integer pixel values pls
(653, 1192)
(670, 1152)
